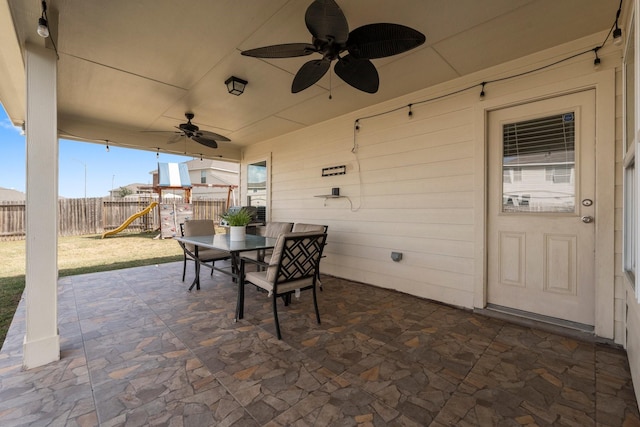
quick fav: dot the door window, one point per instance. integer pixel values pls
(538, 165)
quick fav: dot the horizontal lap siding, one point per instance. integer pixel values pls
(411, 190)
(414, 185)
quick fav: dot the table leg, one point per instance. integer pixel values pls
(196, 280)
(238, 269)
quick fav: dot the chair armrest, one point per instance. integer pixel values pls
(253, 261)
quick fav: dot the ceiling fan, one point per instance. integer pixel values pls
(331, 37)
(191, 131)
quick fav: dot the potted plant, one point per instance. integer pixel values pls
(237, 221)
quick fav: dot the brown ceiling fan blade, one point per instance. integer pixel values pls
(288, 50)
(382, 40)
(205, 141)
(326, 21)
(211, 135)
(359, 73)
(309, 74)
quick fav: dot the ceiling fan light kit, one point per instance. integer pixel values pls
(331, 38)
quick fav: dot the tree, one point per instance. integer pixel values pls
(124, 191)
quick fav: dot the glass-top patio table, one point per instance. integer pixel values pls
(224, 243)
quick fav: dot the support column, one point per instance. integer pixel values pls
(41, 342)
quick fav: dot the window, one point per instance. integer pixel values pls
(510, 175)
(203, 177)
(558, 174)
(256, 186)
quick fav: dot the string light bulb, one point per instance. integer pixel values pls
(43, 28)
(617, 36)
(617, 32)
(596, 61)
(482, 90)
(107, 147)
(157, 152)
(410, 114)
(358, 124)
(43, 25)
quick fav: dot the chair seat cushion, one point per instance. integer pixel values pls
(212, 254)
(259, 278)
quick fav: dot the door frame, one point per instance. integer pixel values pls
(603, 83)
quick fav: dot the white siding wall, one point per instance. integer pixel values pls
(413, 185)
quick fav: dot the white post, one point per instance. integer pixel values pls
(41, 342)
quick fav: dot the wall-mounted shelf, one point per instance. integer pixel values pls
(332, 196)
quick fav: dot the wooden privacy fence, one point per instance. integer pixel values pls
(95, 215)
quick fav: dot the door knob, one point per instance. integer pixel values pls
(587, 219)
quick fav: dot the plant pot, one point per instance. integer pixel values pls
(237, 233)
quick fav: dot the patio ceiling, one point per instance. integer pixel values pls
(129, 66)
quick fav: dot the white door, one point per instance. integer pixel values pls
(541, 206)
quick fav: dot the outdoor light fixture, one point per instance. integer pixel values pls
(235, 85)
(43, 26)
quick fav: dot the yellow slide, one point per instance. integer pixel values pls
(130, 220)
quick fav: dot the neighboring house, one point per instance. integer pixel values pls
(11, 195)
(257, 193)
(211, 178)
(134, 191)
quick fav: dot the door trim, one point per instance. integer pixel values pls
(603, 83)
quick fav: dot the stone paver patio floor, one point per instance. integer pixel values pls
(138, 349)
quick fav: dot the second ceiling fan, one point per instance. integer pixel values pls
(190, 131)
(331, 38)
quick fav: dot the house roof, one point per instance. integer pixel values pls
(207, 164)
(150, 62)
(11, 195)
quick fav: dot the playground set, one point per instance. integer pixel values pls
(171, 176)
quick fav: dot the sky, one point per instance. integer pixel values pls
(104, 170)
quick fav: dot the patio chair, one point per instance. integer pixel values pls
(293, 267)
(200, 227)
(300, 227)
(272, 229)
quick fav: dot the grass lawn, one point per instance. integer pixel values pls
(79, 255)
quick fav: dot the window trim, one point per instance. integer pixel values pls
(631, 181)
